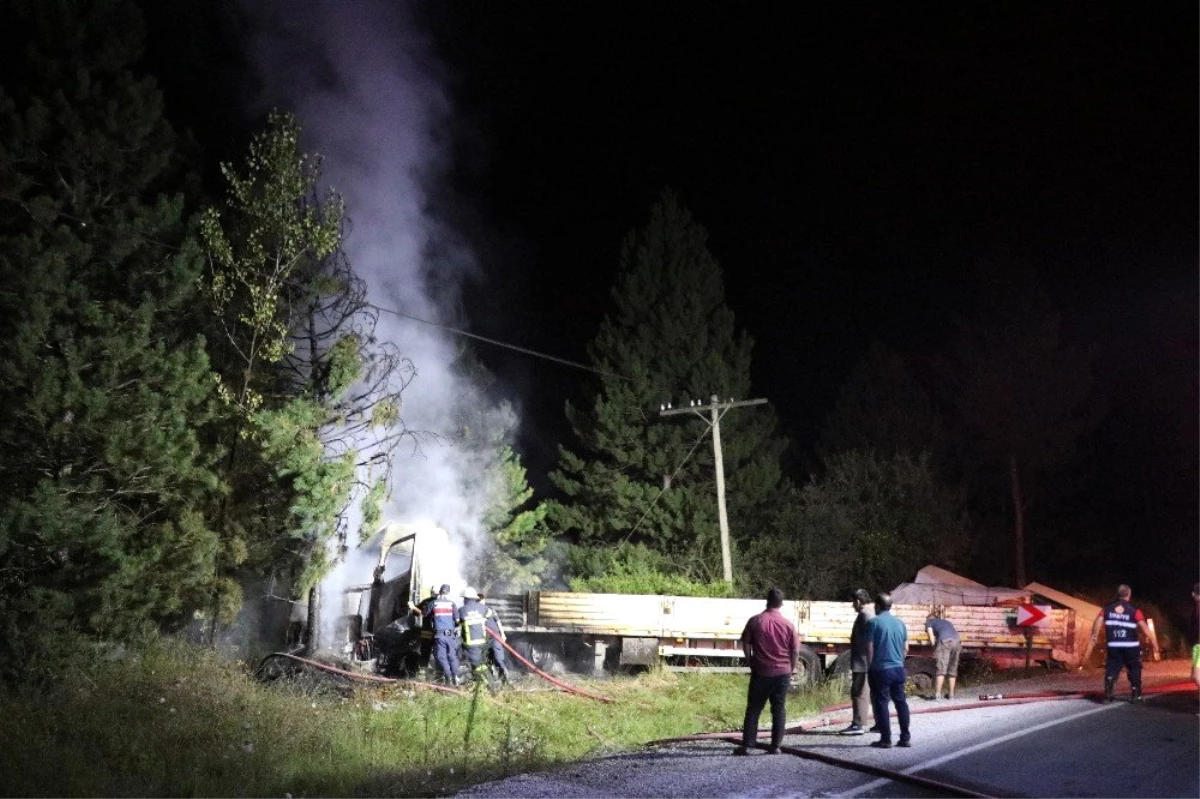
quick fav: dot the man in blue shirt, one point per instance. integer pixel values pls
(947, 646)
(886, 649)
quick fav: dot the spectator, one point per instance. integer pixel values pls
(946, 648)
(772, 647)
(887, 648)
(860, 697)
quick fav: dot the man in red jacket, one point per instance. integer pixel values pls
(772, 648)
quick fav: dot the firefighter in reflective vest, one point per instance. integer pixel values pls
(1122, 620)
(473, 618)
(445, 634)
(425, 611)
(496, 642)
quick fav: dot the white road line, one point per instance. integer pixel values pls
(937, 761)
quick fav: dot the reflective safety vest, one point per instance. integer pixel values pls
(1121, 619)
(474, 616)
(445, 615)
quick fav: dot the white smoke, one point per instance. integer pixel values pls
(363, 83)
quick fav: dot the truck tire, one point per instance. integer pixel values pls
(921, 672)
(808, 667)
(840, 668)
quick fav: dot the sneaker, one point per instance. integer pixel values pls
(905, 742)
(874, 728)
(741, 751)
(853, 729)
(929, 698)
(772, 750)
(881, 744)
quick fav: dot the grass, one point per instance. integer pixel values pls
(175, 720)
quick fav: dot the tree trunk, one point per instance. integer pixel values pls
(1018, 519)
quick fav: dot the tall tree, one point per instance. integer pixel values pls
(870, 519)
(313, 397)
(670, 338)
(102, 387)
(1023, 392)
(884, 407)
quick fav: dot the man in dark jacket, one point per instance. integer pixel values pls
(860, 697)
(445, 634)
(772, 648)
(1121, 620)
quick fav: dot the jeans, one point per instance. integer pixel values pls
(763, 690)
(889, 684)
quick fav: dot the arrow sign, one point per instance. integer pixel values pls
(1030, 615)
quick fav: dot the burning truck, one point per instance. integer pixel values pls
(371, 622)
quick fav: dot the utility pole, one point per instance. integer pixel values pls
(716, 410)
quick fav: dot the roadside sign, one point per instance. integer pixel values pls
(1031, 615)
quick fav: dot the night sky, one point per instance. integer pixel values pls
(852, 169)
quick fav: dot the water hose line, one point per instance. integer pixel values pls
(563, 685)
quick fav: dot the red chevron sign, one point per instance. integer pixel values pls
(1030, 615)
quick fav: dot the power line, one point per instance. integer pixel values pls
(498, 343)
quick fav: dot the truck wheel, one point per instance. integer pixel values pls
(808, 667)
(921, 672)
(840, 668)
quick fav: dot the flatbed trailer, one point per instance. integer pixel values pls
(574, 630)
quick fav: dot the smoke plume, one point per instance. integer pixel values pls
(364, 84)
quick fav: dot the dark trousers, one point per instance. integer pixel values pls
(445, 647)
(498, 658)
(763, 690)
(888, 684)
(860, 698)
(1124, 657)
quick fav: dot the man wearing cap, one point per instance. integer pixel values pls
(860, 697)
(445, 634)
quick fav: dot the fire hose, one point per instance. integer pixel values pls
(416, 683)
(563, 685)
(357, 676)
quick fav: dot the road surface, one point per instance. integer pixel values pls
(1075, 747)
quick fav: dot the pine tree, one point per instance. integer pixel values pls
(102, 386)
(640, 478)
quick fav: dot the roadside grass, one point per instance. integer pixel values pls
(176, 720)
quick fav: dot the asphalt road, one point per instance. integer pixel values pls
(1076, 747)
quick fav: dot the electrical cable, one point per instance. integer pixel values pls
(499, 343)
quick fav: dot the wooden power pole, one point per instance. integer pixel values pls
(716, 410)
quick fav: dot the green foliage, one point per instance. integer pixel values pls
(870, 521)
(635, 569)
(173, 720)
(104, 383)
(670, 338)
(313, 399)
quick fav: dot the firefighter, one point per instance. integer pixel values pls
(424, 612)
(496, 642)
(473, 619)
(1121, 620)
(445, 634)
